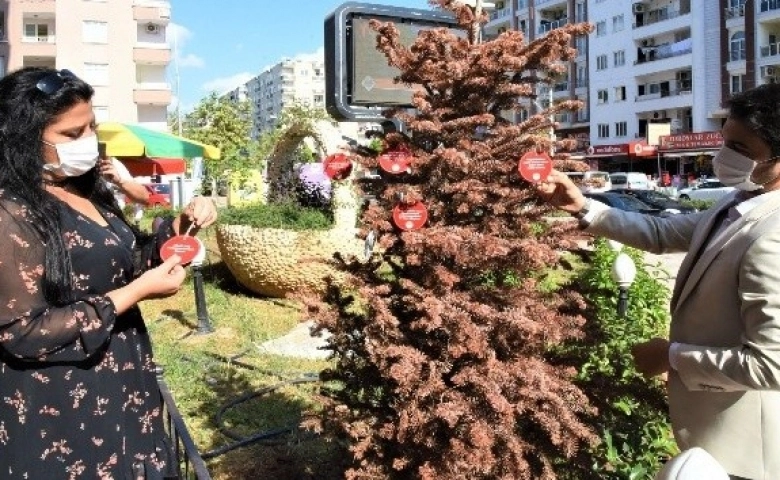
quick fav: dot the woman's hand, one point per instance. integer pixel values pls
(199, 213)
(559, 191)
(159, 282)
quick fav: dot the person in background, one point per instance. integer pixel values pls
(121, 183)
(78, 391)
(723, 353)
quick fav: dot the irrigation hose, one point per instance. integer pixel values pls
(266, 435)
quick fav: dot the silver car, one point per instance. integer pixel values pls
(708, 189)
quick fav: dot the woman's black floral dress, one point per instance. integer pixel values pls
(78, 394)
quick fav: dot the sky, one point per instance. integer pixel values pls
(219, 45)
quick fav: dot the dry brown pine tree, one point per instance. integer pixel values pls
(441, 342)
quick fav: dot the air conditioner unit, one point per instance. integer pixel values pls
(638, 7)
(768, 71)
(152, 28)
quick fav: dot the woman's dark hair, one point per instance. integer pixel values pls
(759, 110)
(30, 100)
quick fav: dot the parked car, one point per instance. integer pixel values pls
(591, 181)
(159, 194)
(707, 189)
(629, 180)
(658, 200)
(628, 203)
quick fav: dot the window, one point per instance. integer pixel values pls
(94, 32)
(603, 96)
(2, 66)
(96, 73)
(619, 58)
(737, 46)
(617, 23)
(620, 93)
(101, 113)
(603, 130)
(621, 129)
(601, 28)
(2, 25)
(737, 83)
(36, 31)
(601, 62)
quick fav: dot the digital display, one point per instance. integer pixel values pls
(372, 78)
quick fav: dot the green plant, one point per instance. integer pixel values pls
(288, 215)
(697, 204)
(632, 420)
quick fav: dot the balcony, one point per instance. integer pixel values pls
(769, 50)
(769, 5)
(656, 16)
(41, 6)
(499, 14)
(151, 54)
(158, 94)
(670, 50)
(685, 90)
(735, 12)
(42, 46)
(154, 11)
(545, 27)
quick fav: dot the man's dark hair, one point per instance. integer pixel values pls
(759, 110)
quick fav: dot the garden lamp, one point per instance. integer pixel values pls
(623, 273)
(204, 323)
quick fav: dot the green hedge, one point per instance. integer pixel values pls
(632, 419)
(290, 216)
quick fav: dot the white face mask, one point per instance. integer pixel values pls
(734, 169)
(77, 157)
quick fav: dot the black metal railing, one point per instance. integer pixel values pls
(190, 464)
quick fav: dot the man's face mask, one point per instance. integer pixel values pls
(77, 157)
(734, 169)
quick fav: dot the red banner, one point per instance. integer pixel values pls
(691, 141)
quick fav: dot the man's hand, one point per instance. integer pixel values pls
(559, 191)
(651, 358)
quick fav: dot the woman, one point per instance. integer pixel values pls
(78, 395)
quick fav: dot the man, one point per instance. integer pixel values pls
(723, 362)
(120, 181)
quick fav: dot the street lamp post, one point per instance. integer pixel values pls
(623, 273)
(204, 322)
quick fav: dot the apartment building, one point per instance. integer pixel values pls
(118, 46)
(535, 18)
(300, 80)
(283, 84)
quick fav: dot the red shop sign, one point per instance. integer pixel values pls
(535, 167)
(337, 166)
(410, 217)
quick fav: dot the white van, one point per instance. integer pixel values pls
(591, 181)
(630, 181)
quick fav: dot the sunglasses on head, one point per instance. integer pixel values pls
(52, 82)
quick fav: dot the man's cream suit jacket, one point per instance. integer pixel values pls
(725, 394)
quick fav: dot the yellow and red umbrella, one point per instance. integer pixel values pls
(124, 140)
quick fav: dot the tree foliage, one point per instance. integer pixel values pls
(224, 123)
(439, 373)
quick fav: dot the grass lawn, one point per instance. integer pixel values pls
(206, 372)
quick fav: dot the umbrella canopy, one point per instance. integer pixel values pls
(124, 140)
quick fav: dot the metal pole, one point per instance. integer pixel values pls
(204, 323)
(178, 83)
